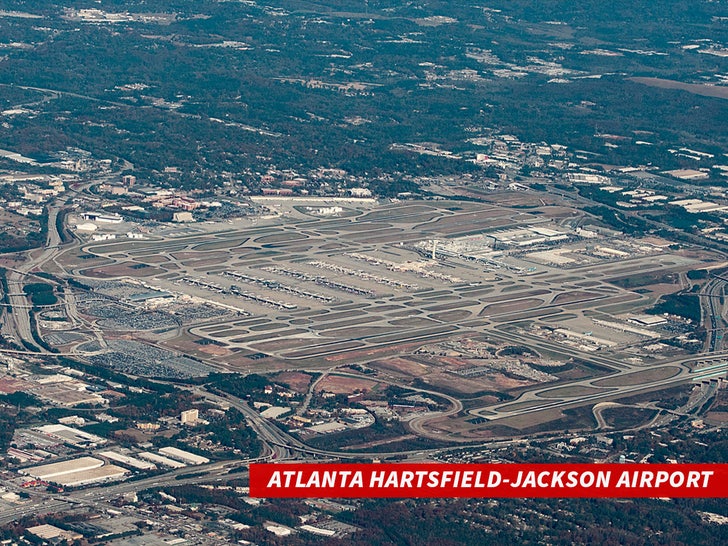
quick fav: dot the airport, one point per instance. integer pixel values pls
(391, 286)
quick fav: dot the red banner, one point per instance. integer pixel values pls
(422, 480)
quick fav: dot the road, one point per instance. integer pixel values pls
(597, 411)
(580, 202)
(16, 325)
(482, 317)
(43, 502)
(713, 313)
(311, 391)
(280, 445)
(19, 319)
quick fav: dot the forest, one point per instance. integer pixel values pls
(235, 88)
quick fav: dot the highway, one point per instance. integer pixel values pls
(43, 502)
(19, 319)
(713, 313)
(281, 446)
(364, 329)
(16, 325)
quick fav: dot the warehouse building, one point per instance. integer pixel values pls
(72, 436)
(47, 472)
(103, 474)
(52, 533)
(128, 461)
(76, 472)
(164, 461)
(184, 456)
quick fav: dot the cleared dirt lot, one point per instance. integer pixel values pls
(345, 385)
(694, 88)
(297, 381)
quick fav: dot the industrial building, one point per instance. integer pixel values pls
(325, 428)
(76, 472)
(529, 236)
(52, 533)
(688, 174)
(184, 456)
(697, 206)
(103, 474)
(648, 320)
(164, 461)
(71, 436)
(49, 471)
(128, 461)
(102, 217)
